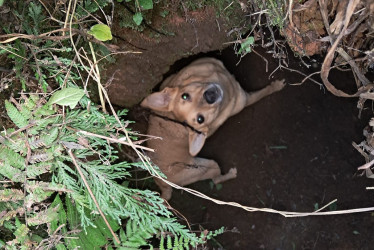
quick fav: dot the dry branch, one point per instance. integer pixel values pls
(326, 66)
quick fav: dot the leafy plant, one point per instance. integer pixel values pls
(59, 171)
(275, 11)
(101, 32)
(140, 5)
(49, 60)
(58, 157)
(246, 46)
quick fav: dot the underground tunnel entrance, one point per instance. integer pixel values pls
(293, 152)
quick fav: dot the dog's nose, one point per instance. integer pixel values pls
(212, 94)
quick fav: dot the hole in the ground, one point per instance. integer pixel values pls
(293, 152)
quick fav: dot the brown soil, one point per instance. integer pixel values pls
(169, 39)
(315, 163)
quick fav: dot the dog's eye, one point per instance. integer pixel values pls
(200, 119)
(185, 96)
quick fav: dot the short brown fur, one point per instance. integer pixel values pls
(202, 91)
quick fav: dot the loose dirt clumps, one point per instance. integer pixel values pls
(304, 29)
(313, 24)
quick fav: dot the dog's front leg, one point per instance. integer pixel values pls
(255, 96)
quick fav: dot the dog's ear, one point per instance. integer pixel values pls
(160, 101)
(196, 141)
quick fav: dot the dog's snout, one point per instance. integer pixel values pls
(212, 94)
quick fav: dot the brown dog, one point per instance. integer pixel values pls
(190, 107)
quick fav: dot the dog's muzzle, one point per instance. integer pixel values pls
(213, 93)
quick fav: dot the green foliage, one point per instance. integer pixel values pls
(43, 59)
(140, 8)
(135, 237)
(46, 152)
(36, 15)
(67, 97)
(90, 6)
(246, 46)
(138, 18)
(56, 159)
(15, 115)
(276, 11)
(101, 32)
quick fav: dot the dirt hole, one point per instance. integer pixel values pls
(293, 152)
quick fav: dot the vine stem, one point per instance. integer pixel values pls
(99, 86)
(92, 195)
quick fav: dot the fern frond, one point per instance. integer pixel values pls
(27, 107)
(35, 12)
(42, 157)
(17, 143)
(41, 124)
(11, 194)
(169, 242)
(35, 144)
(39, 191)
(11, 214)
(135, 236)
(21, 233)
(50, 136)
(162, 243)
(46, 216)
(11, 173)
(16, 116)
(12, 158)
(44, 110)
(37, 169)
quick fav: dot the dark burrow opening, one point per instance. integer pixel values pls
(293, 152)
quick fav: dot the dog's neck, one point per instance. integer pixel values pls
(168, 116)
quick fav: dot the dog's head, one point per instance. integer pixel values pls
(197, 104)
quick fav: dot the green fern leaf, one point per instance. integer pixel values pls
(122, 235)
(51, 136)
(186, 242)
(72, 213)
(44, 110)
(94, 237)
(25, 112)
(61, 220)
(16, 116)
(57, 203)
(37, 169)
(11, 194)
(10, 214)
(41, 124)
(169, 242)
(43, 217)
(21, 233)
(17, 144)
(101, 225)
(162, 243)
(35, 12)
(12, 158)
(129, 228)
(176, 242)
(11, 173)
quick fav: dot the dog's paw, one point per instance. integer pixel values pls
(232, 172)
(278, 85)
